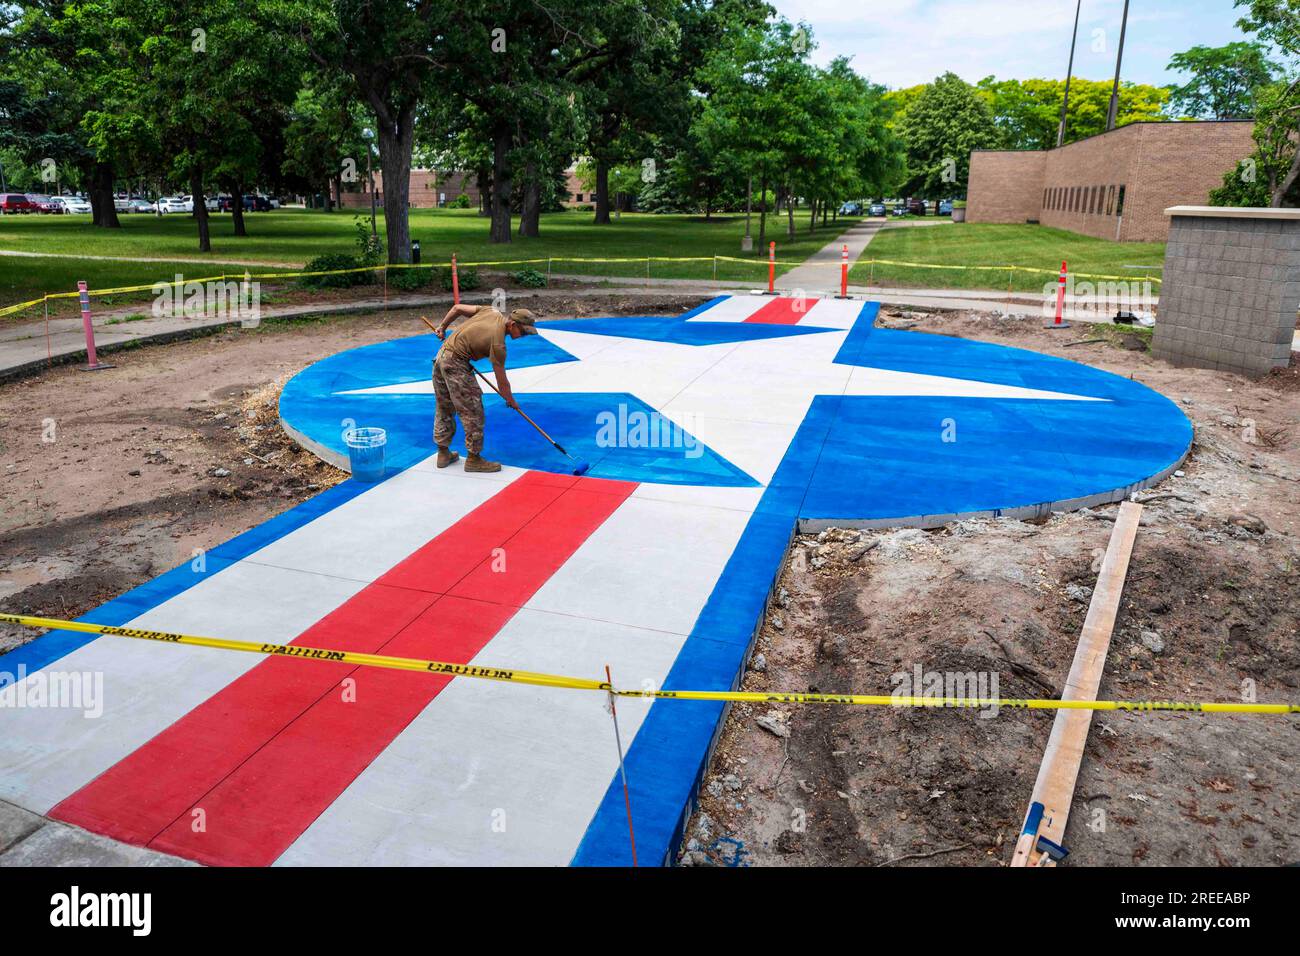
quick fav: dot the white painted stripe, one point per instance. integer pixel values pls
(48, 754)
(492, 774)
(270, 597)
(735, 308)
(377, 530)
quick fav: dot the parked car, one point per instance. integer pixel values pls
(73, 204)
(16, 203)
(171, 204)
(916, 207)
(900, 209)
(137, 205)
(876, 209)
(851, 209)
(945, 207)
(256, 203)
(44, 204)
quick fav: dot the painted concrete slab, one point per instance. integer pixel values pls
(709, 441)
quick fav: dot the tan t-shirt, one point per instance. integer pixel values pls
(482, 335)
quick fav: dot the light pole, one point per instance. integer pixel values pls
(747, 244)
(1069, 72)
(1113, 114)
(369, 134)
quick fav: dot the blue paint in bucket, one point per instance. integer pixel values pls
(366, 452)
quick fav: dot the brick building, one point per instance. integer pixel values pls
(427, 190)
(1114, 185)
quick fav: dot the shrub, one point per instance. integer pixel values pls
(407, 279)
(530, 278)
(460, 202)
(370, 248)
(466, 275)
(329, 263)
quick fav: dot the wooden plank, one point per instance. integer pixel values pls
(1059, 771)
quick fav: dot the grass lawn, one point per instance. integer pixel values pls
(971, 244)
(291, 237)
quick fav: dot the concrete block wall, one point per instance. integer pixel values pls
(1231, 288)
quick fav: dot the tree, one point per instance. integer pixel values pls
(939, 130)
(323, 140)
(1224, 80)
(391, 50)
(1026, 112)
(62, 66)
(1276, 160)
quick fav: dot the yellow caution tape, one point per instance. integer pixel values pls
(757, 262)
(300, 652)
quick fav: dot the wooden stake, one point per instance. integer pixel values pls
(1059, 771)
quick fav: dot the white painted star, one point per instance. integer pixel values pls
(743, 399)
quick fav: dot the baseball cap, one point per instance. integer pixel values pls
(524, 318)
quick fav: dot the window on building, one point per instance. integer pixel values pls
(1110, 200)
(1119, 203)
(577, 197)
(1074, 199)
(1046, 193)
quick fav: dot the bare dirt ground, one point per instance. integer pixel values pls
(111, 478)
(1211, 609)
(108, 479)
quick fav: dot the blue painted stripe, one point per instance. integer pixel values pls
(50, 647)
(670, 751)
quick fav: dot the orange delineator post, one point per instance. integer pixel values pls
(455, 282)
(771, 268)
(1058, 322)
(92, 360)
(844, 273)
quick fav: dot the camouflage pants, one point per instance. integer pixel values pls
(458, 393)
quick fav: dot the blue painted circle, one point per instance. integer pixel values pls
(875, 458)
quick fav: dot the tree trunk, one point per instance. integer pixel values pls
(237, 208)
(103, 212)
(395, 142)
(1279, 193)
(530, 216)
(762, 210)
(338, 195)
(789, 211)
(200, 210)
(812, 220)
(602, 193)
(501, 185)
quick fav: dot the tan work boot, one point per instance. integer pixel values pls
(479, 463)
(446, 456)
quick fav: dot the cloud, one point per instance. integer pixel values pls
(905, 42)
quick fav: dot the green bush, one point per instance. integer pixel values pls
(408, 279)
(466, 275)
(530, 278)
(329, 263)
(460, 202)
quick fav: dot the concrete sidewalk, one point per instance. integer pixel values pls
(820, 272)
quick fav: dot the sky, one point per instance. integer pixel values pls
(904, 42)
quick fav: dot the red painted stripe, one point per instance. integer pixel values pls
(265, 756)
(781, 311)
